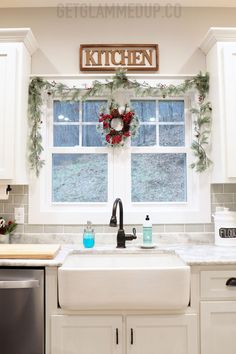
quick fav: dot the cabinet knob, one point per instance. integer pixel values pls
(231, 282)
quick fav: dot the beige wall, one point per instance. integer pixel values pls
(59, 37)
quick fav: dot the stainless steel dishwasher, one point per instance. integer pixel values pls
(21, 311)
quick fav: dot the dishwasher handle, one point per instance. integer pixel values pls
(19, 284)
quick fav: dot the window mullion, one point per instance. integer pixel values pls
(121, 173)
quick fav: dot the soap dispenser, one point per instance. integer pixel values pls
(88, 236)
(147, 231)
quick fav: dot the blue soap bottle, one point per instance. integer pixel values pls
(88, 236)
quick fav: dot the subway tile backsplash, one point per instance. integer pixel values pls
(221, 195)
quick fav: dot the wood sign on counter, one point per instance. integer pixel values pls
(109, 57)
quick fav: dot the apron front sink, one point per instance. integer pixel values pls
(124, 281)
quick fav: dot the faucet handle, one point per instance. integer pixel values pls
(130, 237)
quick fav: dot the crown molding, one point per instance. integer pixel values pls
(218, 34)
(24, 35)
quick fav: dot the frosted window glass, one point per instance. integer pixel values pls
(146, 136)
(171, 111)
(65, 135)
(145, 110)
(171, 135)
(158, 177)
(79, 177)
(65, 111)
(91, 137)
(92, 109)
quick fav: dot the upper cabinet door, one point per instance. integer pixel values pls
(16, 47)
(229, 64)
(219, 46)
(7, 109)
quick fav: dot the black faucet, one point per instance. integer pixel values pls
(121, 236)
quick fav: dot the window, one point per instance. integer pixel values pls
(82, 177)
(78, 177)
(162, 125)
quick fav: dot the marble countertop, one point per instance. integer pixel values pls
(192, 254)
(204, 255)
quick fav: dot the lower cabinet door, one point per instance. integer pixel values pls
(218, 327)
(169, 334)
(86, 334)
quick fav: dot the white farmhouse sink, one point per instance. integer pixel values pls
(124, 281)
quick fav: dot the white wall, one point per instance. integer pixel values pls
(59, 37)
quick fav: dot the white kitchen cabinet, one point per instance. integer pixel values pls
(218, 327)
(219, 46)
(7, 111)
(16, 47)
(86, 334)
(141, 334)
(218, 312)
(164, 334)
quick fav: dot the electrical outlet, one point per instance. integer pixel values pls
(20, 215)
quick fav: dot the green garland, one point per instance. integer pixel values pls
(202, 113)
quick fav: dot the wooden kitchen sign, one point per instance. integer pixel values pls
(109, 57)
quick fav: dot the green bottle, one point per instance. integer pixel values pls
(147, 231)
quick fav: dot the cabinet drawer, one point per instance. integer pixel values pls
(213, 284)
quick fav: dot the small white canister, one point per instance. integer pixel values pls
(225, 227)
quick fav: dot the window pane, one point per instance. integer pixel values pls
(158, 177)
(79, 177)
(171, 135)
(145, 110)
(171, 111)
(65, 111)
(146, 136)
(91, 137)
(65, 135)
(92, 109)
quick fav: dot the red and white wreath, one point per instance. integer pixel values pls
(118, 125)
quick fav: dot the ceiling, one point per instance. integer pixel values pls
(54, 3)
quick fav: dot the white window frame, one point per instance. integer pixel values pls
(195, 210)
